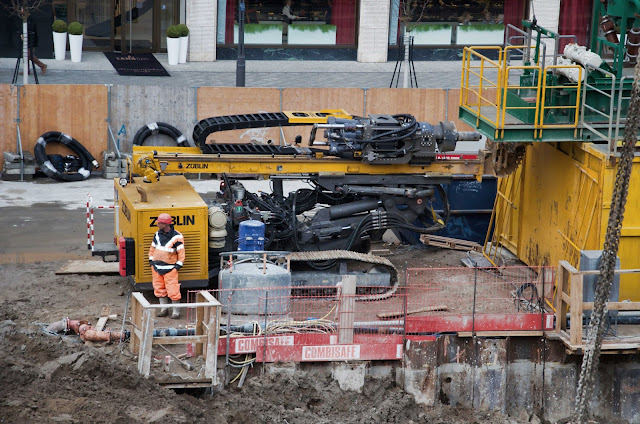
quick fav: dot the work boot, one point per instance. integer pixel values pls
(165, 310)
(176, 311)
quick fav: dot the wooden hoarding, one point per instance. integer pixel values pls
(219, 101)
(8, 94)
(77, 110)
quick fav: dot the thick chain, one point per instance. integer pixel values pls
(597, 324)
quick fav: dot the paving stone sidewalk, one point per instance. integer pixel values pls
(96, 69)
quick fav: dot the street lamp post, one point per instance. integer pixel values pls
(240, 64)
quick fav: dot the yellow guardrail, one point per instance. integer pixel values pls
(484, 94)
(482, 83)
(534, 104)
(575, 107)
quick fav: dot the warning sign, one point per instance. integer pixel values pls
(330, 353)
(251, 344)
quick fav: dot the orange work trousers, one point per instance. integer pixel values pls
(166, 285)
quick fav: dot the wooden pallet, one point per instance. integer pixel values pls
(450, 243)
(629, 345)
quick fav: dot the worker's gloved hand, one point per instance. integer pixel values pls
(178, 266)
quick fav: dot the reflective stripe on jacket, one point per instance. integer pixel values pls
(166, 250)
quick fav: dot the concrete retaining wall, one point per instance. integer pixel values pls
(511, 375)
(134, 106)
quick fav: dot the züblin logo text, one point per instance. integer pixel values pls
(176, 220)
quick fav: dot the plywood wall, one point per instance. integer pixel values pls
(81, 110)
(220, 101)
(425, 104)
(453, 104)
(77, 110)
(8, 94)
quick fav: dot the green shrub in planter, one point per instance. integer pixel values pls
(75, 28)
(184, 30)
(59, 26)
(173, 31)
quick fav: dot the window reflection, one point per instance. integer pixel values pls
(314, 22)
(95, 16)
(446, 22)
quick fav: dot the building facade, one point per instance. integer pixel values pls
(362, 30)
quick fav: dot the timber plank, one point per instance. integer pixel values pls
(88, 267)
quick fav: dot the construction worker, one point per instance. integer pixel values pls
(166, 257)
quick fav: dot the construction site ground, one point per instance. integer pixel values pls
(52, 378)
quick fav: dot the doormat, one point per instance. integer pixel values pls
(139, 64)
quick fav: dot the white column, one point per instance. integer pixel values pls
(202, 22)
(373, 31)
(547, 12)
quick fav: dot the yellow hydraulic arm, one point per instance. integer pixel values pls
(152, 162)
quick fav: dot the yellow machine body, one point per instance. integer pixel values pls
(557, 203)
(138, 206)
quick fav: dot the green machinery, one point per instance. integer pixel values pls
(519, 94)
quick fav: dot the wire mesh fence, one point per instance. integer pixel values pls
(479, 299)
(433, 300)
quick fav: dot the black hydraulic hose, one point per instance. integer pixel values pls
(160, 128)
(412, 128)
(446, 207)
(87, 161)
(293, 222)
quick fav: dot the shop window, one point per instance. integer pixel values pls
(316, 23)
(450, 22)
(95, 16)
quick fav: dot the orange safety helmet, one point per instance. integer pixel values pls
(164, 218)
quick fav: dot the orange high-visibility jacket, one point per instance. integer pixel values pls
(166, 251)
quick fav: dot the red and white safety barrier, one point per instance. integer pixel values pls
(90, 223)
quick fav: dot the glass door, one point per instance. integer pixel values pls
(133, 22)
(168, 15)
(140, 26)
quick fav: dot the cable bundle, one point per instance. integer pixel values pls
(160, 128)
(87, 161)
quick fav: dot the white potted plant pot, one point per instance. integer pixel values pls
(173, 44)
(60, 45)
(75, 41)
(173, 50)
(59, 38)
(75, 45)
(184, 45)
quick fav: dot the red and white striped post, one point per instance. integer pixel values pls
(90, 221)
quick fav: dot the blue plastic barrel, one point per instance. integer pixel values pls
(251, 236)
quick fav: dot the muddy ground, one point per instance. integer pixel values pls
(58, 379)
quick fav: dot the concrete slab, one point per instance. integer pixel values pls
(350, 377)
(88, 267)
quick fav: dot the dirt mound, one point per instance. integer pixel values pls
(47, 379)
(308, 397)
(53, 379)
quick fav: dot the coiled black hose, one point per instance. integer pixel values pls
(160, 128)
(87, 161)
